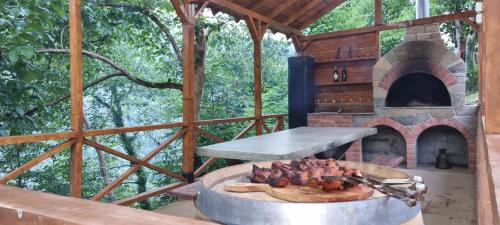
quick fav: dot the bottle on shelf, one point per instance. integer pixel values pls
(336, 74)
(344, 74)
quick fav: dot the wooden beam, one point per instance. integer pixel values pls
(244, 131)
(490, 65)
(246, 12)
(20, 206)
(302, 11)
(188, 93)
(378, 12)
(391, 26)
(205, 165)
(257, 33)
(200, 9)
(9, 140)
(148, 194)
(313, 19)
(471, 23)
(179, 9)
(120, 130)
(132, 159)
(210, 135)
(136, 167)
(13, 174)
(76, 83)
(281, 8)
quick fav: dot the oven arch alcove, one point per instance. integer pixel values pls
(434, 138)
(417, 90)
(393, 127)
(388, 142)
(451, 126)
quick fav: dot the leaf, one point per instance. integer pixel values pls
(27, 51)
(20, 111)
(13, 56)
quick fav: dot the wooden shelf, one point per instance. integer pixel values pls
(347, 60)
(342, 83)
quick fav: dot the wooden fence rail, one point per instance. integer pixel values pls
(72, 137)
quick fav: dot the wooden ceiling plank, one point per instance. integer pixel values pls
(321, 14)
(256, 4)
(244, 11)
(302, 11)
(281, 8)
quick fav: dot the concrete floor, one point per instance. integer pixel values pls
(451, 199)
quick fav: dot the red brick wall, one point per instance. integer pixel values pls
(329, 120)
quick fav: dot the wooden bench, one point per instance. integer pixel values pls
(186, 192)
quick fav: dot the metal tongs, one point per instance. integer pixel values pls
(408, 190)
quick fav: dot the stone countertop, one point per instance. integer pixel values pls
(288, 144)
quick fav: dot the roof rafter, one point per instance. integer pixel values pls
(281, 7)
(302, 11)
(249, 13)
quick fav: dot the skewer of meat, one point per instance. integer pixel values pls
(305, 172)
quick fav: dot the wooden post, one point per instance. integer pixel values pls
(378, 21)
(76, 80)
(257, 30)
(188, 101)
(378, 12)
(257, 83)
(490, 71)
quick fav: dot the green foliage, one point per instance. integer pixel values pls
(30, 82)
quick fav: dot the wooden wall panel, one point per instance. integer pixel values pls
(358, 53)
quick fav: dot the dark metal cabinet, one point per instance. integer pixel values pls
(300, 90)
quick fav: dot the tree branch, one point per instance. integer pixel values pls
(148, 12)
(123, 72)
(120, 73)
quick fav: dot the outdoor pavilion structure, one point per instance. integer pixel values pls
(289, 17)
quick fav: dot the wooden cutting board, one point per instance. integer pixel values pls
(294, 193)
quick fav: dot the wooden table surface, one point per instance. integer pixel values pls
(288, 144)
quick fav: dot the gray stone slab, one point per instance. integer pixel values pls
(408, 120)
(467, 110)
(288, 144)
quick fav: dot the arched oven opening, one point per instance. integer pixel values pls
(442, 137)
(387, 142)
(418, 90)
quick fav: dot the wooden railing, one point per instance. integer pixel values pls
(487, 166)
(71, 138)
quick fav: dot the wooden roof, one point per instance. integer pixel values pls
(287, 16)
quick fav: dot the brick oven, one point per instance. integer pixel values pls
(418, 105)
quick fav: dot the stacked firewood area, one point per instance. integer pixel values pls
(305, 172)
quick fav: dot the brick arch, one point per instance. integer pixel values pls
(418, 66)
(469, 137)
(390, 123)
(384, 121)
